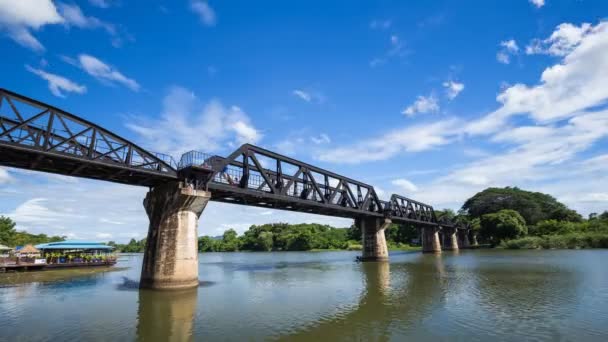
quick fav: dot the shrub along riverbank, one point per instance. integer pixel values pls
(566, 241)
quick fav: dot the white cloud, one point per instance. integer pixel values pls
(58, 83)
(74, 17)
(186, 124)
(508, 48)
(102, 71)
(18, 18)
(380, 24)
(453, 89)
(405, 185)
(36, 210)
(578, 82)
(321, 139)
(423, 104)
(503, 57)
(562, 41)
(537, 3)
(302, 94)
(204, 11)
(414, 138)
(510, 45)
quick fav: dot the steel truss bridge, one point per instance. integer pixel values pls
(38, 136)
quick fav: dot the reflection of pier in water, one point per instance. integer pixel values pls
(400, 290)
(166, 316)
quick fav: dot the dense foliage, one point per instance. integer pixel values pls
(299, 237)
(516, 218)
(9, 236)
(532, 206)
(133, 246)
(504, 225)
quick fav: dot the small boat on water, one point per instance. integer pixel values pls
(61, 254)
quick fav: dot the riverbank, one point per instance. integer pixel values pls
(565, 241)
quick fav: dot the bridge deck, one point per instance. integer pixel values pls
(37, 136)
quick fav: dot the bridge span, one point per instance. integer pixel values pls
(41, 137)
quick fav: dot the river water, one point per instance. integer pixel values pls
(473, 296)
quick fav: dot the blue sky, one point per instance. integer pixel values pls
(433, 100)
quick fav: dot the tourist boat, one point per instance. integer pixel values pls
(61, 254)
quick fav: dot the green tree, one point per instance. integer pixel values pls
(7, 231)
(504, 225)
(532, 206)
(265, 241)
(206, 244)
(301, 241)
(552, 227)
(230, 241)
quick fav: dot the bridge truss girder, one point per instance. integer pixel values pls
(37, 136)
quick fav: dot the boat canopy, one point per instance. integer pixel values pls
(74, 245)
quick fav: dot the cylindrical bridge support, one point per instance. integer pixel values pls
(450, 239)
(430, 240)
(463, 238)
(171, 255)
(374, 241)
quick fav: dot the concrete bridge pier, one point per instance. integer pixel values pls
(464, 238)
(171, 256)
(450, 239)
(473, 239)
(430, 240)
(374, 241)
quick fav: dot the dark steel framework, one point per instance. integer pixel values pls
(255, 176)
(37, 136)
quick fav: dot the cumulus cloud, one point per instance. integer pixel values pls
(19, 18)
(453, 89)
(187, 124)
(423, 104)
(205, 13)
(562, 41)
(101, 71)
(414, 138)
(578, 82)
(508, 48)
(57, 83)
